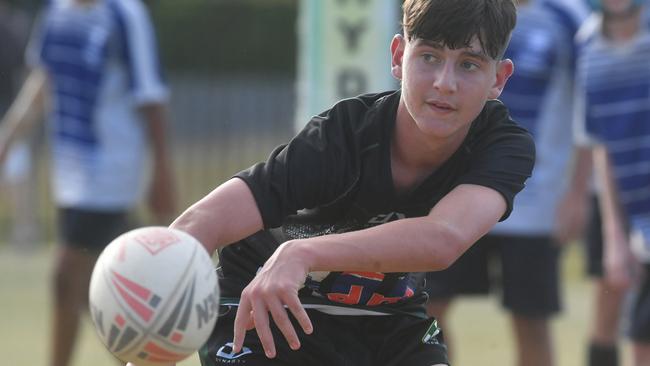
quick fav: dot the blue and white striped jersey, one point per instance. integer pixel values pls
(539, 97)
(102, 64)
(614, 100)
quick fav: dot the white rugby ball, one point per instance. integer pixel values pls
(154, 296)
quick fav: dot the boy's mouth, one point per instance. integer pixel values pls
(441, 106)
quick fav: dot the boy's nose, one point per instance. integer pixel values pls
(445, 79)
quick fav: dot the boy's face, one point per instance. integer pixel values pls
(444, 90)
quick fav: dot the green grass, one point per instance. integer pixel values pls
(481, 329)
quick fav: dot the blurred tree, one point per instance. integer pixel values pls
(226, 36)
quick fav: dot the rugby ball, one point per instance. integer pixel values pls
(154, 296)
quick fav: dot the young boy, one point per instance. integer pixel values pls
(371, 193)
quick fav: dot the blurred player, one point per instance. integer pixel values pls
(579, 217)
(369, 195)
(614, 90)
(539, 97)
(96, 62)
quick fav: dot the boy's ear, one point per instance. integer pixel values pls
(504, 69)
(397, 46)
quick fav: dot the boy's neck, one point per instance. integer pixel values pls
(622, 28)
(414, 156)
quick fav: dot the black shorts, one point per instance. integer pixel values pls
(639, 324)
(391, 340)
(528, 274)
(91, 230)
(594, 241)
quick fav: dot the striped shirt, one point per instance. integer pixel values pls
(539, 96)
(614, 95)
(102, 64)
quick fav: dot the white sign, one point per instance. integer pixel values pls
(344, 51)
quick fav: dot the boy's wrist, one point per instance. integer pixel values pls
(300, 251)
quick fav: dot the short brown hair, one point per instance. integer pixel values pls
(454, 23)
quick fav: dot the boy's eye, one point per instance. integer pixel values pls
(429, 58)
(470, 66)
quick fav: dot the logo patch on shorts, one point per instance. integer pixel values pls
(225, 354)
(431, 335)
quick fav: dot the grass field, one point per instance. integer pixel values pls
(481, 329)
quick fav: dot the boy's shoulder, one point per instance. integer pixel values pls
(361, 113)
(569, 12)
(493, 123)
(362, 104)
(494, 114)
(589, 31)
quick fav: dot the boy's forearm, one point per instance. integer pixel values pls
(407, 245)
(227, 214)
(162, 192)
(155, 116)
(582, 169)
(614, 235)
(429, 243)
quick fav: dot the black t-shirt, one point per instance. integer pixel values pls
(335, 176)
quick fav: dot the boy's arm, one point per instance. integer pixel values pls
(420, 244)
(162, 193)
(618, 261)
(571, 213)
(24, 111)
(227, 214)
(423, 244)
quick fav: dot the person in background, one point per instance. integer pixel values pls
(95, 62)
(539, 97)
(613, 106)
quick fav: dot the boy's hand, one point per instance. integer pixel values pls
(274, 290)
(620, 271)
(620, 267)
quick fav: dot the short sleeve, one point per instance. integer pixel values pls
(502, 157)
(139, 47)
(315, 168)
